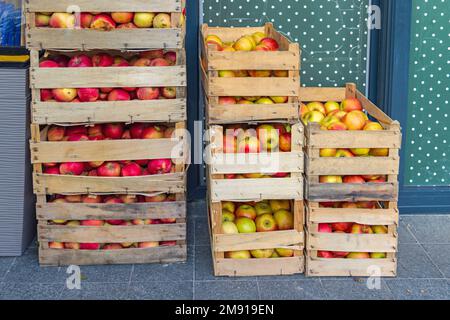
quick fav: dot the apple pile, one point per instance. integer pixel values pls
(252, 100)
(349, 205)
(112, 199)
(264, 216)
(257, 41)
(152, 58)
(109, 246)
(103, 21)
(110, 131)
(348, 115)
(351, 228)
(353, 179)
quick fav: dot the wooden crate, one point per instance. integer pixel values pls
(168, 110)
(107, 150)
(111, 234)
(317, 166)
(290, 239)
(287, 59)
(315, 241)
(86, 39)
(220, 164)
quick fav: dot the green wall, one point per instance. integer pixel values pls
(332, 34)
(428, 138)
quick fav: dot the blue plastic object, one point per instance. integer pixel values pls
(10, 23)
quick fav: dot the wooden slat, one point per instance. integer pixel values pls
(170, 76)
(353, 139)
(104, 5)
(110, 111)
(237, 113)
(55, 257)
(320, 192)
(254, 60)
(321, 94)
(104, 150)
(225, 163)
(87, 39)
(259, 267)
(251, 86)
(351, 242)
(352, 166)
(350, 267)
(55, 184)
(259, 240)
(105, 211)
(373, 110)
(360, 216)
(256, 189)
(112, 234)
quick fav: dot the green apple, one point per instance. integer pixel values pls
(265, 223)
(228, 205)
(245, 225)
(378, 255)
(229, 227)
(284, 219)
(228, 216)
(262, 208)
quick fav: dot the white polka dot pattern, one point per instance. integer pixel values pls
(332, 33)
(428, 138)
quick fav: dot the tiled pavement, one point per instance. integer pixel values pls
(423, 273)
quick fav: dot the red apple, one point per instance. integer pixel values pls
(353, 179)
(325, 228)
(171, 56)
(92, 223)
(88, 94)
(48, 64)
(80, 61)
(152, 132)
(136, 130)
(270, 43)
(113, 130)
(61, 60)
(159, 166)
(85, 20)
(119, 95)
(148, 93)
(102, 60)
(167, 243)
(152, 54)
(325, 254)
(351, 104)
(122, 17)
(131, 169)
(72, 168)
(103, 22)
(341, 226)
(77, 137)
(46, 95)
(109, 169)
(91, 199)
(51, 170)
(89, 246)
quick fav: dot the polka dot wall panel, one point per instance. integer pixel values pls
(428, 129)
(333, 34)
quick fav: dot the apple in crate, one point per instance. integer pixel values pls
(284, 219)
(350, 104)
(64, 94)
(56, 245)
(131, 169)
(143, 19)
(62, 20)
(243, 254)
(113, 130)
(245, 225)
(148, 93)
(266, 223)
(80, 61)
(358, 255)
(103, 22)
(148, 244)
(119, 95)
(262, 253)
(285, 253)
(102, 60)
(122, 17)
(112, 246)
(89, 246)
(48, 64)
(72, 245)
(277, 205)
(72, 168)
(159, 166)
(109, 169)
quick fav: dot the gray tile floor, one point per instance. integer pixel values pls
(423, 273)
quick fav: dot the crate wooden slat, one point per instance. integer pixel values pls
(87, 39)
(386, 215)
(286, 59)
(289, 239)
(317, 166)
(104, 211)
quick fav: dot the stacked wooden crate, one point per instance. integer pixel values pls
(374, 252)
(223, 166)
(150, 231)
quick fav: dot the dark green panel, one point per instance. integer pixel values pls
(428, 146)
(333, 34)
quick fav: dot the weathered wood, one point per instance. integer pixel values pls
(253, 60)
(321, 94)
(104, 150)
(105, 211)
(87, 39)
(350, 267)
(355, 215)
(256, 189)
(56, 184)
(170, 76)
(227, 163)
(270, 86)
(62, 257)
(352, 139)
(218, 114)
(259, 240)
(172, 110)
(259, 267)
(320, 192)
(112, 234)
(352, 166)
(104, 5)
(351, 242)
